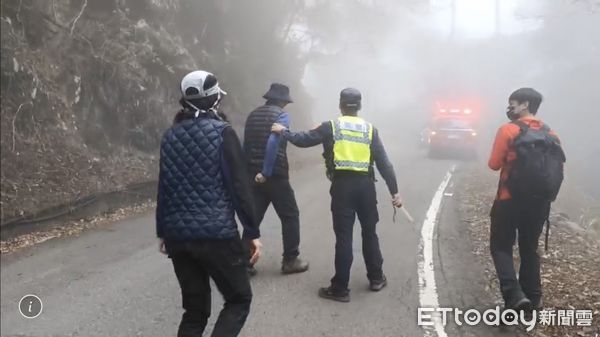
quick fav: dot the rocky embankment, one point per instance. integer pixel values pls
(88, 86)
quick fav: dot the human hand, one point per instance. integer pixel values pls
(277, 128)
(259, 178)
(255, 247)
(397, 200)
(161, 246)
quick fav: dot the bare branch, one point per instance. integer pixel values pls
(13, 124)
(19, 12)
(203, 31)
(78, 16)
(54, 10)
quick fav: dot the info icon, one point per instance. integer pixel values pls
(30, 306)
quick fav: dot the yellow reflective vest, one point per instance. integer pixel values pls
(352, 144)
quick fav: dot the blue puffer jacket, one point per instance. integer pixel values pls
(193, 201)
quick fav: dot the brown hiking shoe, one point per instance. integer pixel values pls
(377, 285)
(331, 294)
(293, 266)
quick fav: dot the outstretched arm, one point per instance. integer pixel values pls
(309, 138)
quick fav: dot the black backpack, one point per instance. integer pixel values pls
(537, 173)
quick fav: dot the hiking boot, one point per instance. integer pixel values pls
(377, 285)
(292, 266)
(535, 305)
(251, 271)
(518, 301)
(334, 295)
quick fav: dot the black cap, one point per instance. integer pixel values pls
(350, 97)
(278, 92)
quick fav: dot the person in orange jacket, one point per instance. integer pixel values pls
(510, 216)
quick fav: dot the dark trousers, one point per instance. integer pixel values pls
(354, 195)
(279, 192)
(510, 219)
(223, 261)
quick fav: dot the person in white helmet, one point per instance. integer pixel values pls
(202, 184)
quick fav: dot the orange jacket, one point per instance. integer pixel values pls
(503, 152)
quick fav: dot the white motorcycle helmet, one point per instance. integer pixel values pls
(199, 85)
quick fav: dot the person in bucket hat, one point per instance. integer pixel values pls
(278, 92)
(268, 164)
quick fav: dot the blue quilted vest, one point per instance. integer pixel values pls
(194, 202)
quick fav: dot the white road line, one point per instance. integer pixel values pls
(428, 296)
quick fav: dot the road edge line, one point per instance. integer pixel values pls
(428, 296)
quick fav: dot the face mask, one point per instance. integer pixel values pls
(211, 112)
(511, 114)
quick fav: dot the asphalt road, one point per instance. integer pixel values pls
(112, 281)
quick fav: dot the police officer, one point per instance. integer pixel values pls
(351, 146)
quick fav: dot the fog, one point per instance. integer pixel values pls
(406, 56)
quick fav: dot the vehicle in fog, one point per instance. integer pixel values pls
(453, 134)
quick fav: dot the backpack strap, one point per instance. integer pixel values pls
(522, 125)
(552, 138)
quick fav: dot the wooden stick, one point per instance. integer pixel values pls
(410, 218)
